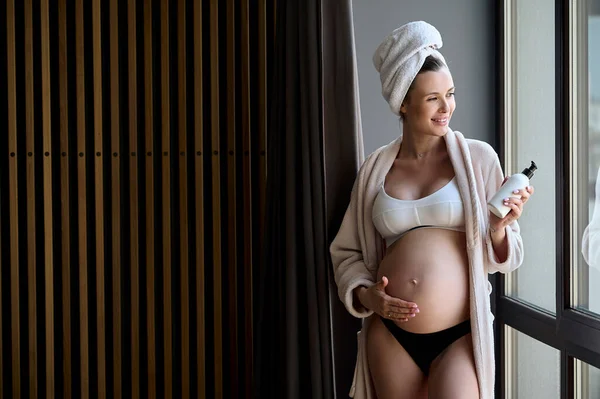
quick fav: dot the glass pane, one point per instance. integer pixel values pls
(587, 381)
(533, 140)
(587, 95)
(533, 368)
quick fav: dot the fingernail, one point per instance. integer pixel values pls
(416, 310)
(506, 203)
(516, 192)
(505, 199)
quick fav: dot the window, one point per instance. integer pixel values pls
(548, 311)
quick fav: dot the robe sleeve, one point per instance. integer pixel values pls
(350, 270)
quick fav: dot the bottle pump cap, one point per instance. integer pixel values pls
(529, 171)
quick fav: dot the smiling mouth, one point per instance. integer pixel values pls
(441, 120)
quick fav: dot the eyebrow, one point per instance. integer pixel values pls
(435, 92)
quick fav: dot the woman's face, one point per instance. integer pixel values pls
(430, 103)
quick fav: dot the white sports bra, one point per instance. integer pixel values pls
(393, 217)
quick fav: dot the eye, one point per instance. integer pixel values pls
(451, 94)
(432, 99)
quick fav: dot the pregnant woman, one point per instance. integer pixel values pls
(417, 242)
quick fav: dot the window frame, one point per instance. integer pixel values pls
(573, 332)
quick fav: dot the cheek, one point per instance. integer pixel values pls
(425, 110)
(452, 105)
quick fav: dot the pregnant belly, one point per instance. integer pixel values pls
(429, 267)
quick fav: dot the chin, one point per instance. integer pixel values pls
(439, 130)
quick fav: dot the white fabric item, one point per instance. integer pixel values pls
(400, 56)
(393, 217)
(590, 246)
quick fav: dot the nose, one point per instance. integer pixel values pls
(444, 106)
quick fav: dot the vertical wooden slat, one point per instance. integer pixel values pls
(82, 201)
(199, 195)
(166, 197)
(149, 124)
(31, 214)
(216, 199)
(262, 113)
(47, 187)
(232, 285)
(133, 201)
(115, 197)
(99, 200)
(247, 184)
(13, 200)
(183, 202)
(65, 198)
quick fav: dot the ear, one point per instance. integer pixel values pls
(403, 108)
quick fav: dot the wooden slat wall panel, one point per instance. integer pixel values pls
(183, 198)
(217, 310)
(115, 177)
(47, 198)
(99, 197)
(166, 195)
(247, 185)
(30, 200)
(149, 231)
(199, 196)
(82, 208)
(131, 276)
(134, 212)
(232, 199)
(65, 205)
(15, 305)
(262, 114)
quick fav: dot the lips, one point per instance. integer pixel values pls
(440, 121)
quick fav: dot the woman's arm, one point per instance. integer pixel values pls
(499, 243)
(504, 246)
(350, 272)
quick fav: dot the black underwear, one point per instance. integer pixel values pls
(424, 348)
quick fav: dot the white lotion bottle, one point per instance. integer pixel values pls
(518, 181)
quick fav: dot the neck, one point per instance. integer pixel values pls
(420, 146)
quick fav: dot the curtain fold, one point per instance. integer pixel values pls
(344, 153)
(315, 148)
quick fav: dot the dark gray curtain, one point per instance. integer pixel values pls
(343, 156)
(314, 148)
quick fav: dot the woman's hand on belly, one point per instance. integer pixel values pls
(376, 299)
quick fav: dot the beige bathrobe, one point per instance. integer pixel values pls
(358, 248)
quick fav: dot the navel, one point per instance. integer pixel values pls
(414, 281)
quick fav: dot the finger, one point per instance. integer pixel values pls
(513, 200)
(398, 316)
(524, 194)
(516, 211)
(403, 310)
(397, 302)
(381, 284)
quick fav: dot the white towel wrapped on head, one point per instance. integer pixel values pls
(400, 56)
